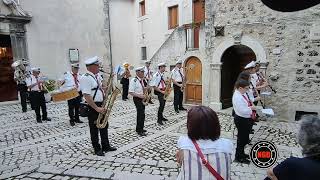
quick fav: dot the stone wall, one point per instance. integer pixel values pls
(294, 64)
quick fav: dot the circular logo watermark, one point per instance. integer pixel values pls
(263, 154)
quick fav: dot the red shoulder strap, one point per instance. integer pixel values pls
(206, 163)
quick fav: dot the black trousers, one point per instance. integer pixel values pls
(140, 113)
(178, 97)
(243, 125)
(94, 131)
(73, 107)
(125, 88)
(162, 103)
(38, 101)
(22, 88)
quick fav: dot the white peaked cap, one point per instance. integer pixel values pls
(148, 61)
(91, 61)
(140, 68)
(252, 64)
(35, 69)
(162, 64)
(179, 62)
(75, 65)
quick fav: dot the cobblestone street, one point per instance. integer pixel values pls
(55, 150)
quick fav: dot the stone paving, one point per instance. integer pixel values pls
(55, 150)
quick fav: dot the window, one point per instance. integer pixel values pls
(142, 8)
(173, 17)
(143, 53)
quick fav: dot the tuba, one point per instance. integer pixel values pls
(168, 89)
(109, 99)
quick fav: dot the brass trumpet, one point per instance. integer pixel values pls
(168, 89)
(147, 96)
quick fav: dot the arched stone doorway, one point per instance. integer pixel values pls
(193, 74)
(233, 60)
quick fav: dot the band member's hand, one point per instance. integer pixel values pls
(141, 96)
(258, 98)
(100, 109)
(40, 81)
(179, 157)
(162, 92)
(252, 107)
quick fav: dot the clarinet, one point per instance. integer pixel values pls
(273, 90)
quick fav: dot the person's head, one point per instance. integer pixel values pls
(147, 63)
(203, 123)
(244, 75)
(179, 64)
(93, 65)
(35, 71)
(309, 135)
(242, 86)
(251, 67)
(75, 68)
(140, 72)
(162, 67)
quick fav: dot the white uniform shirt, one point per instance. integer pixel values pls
(32, 80)
(89, 83)
(69, 80)
(240, 105)
(176, 75)
(136, 85)
(147, 72)
(158, 80)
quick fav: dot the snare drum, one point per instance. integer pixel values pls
(64, 95)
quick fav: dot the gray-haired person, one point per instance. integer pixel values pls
(307, 167)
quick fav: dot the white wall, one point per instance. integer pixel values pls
(58, 25)
(128, 28)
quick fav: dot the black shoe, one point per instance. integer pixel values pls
(47, 119)
(144, 130)
(177, 111)
(110, 148)
(164, 119)
(99, 153)
(242, 160)
(72, 123)
(39, 121)
(182, 109)
(160, 122)
(142, 133)
(252, 131)
(78, 121)
(254, 123)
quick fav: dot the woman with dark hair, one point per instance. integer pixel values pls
(203, 154)
(244, 113)
(307, 167)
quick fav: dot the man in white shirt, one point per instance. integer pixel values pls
(177, 79)
(72, 80)
(92, 90)
(136, 89)
(159, 86)
(244, 111)
(35, 84)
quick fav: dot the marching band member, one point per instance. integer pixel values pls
(35, 84)
(244, 113)
(20, 75)
(71, 79)
(125, 81)
(177, 79)
(137, 88)
(159, 85)
(91, 87)
(148, 75)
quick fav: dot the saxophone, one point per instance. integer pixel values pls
(168, 89)
(147, 96)
(109, 99)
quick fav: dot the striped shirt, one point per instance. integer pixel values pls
(217, 153)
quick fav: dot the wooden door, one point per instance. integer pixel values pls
(193, 71)
(198, 17)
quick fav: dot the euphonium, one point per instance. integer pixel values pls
(110, 96)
